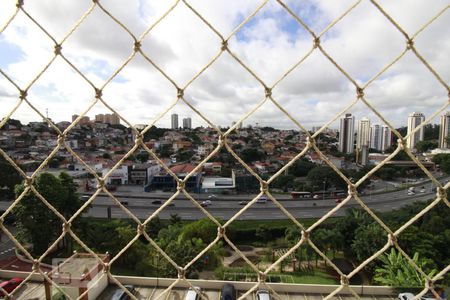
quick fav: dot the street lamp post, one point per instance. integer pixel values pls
(324, 187)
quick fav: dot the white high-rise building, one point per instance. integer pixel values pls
(187, 123)
(386, 138)
(174, 119)
(414, 120)
(347, 134)
(363, 134)
(376, 137)
(444, 131)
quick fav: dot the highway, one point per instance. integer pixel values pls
(225, 207)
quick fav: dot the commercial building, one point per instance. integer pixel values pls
(444, 131)
(174, 119)
(414, 120)
(347, 134)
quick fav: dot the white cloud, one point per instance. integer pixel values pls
(363, 42)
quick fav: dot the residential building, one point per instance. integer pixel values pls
(112, 119)
(187, 123)
(363, 134)
(347, 134)
(376, 137)
(444, 131)
(414, 120)
(174, 119)
(386, 138)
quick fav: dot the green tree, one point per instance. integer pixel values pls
(9, 177)
(34, 218)
(398, 272)
(301, 168)
(424, 146)
(319, 175)
(252, 154)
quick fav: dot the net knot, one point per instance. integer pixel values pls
(409, 44)
(138, 139)
(441, 193)
(359, 92)
(180, 93)
(66, 226)
(28, 181)
(98, 93)
(316, 42)
(61, 139)
(344, 280)
(140, 229)
(36, 265)
(402, 143)
(224, 46)
(23, 94)
(137, 46)
(58, 49)
(262, 276)
(181, 184)
(181, 273)
(305, 235)
(220, 231)
(352, 190)
(19, 3)
(392, 239)
(268, 92)
(310, 142)
(264, 186)
(100, 183)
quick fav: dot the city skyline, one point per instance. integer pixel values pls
(140, 93)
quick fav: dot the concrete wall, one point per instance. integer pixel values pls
(97, 285)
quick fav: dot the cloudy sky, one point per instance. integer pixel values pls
(181, 45)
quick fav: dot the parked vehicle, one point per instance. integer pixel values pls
(120, 294)
(263, 295)
(409, 296)
(212, 196)
(193, 294)
(243, 202)
(228, 292)
(10, 285)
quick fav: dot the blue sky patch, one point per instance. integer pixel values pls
(9, 53)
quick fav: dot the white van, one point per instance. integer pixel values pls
(263, 295)
(193, 294)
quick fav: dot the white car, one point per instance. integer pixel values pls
(409, 296)
(212, 196)
(263, 295)
(193, 293)
(423, 190)
(411, 193)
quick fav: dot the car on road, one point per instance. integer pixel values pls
(171, 204)
(423, 190)
(243, 202)
(410, 193)
(205, 203)
(316, 197)
(10, 285)
(156, 202)
(338, 200)
(193, 293)
(263, 295)
(120, 294)
(228, 292)
(262, 199)
(212, 196)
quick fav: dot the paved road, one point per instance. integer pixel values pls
(225, 209)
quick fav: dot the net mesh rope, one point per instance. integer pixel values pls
(135, 50)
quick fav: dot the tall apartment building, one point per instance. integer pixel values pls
(187, 123)
(376, 137)
(386, 138)
(414, 120)
(174, 119)
(363, 141)
(444, 131)
(363, 133)
(347, 134)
